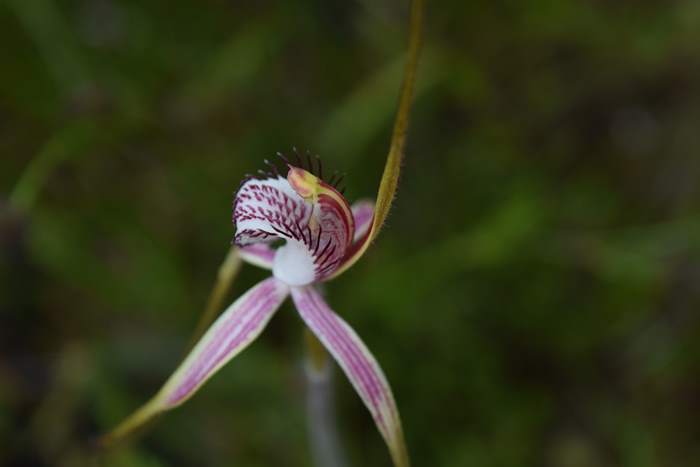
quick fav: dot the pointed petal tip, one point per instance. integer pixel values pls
(231, 333)
(131, 425)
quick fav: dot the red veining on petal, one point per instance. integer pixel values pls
(280, 214)
(362, 213)
(362, 372)
(228, 337)
(338, 225)
(322, 221)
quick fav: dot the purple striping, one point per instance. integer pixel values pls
(321, 259)
(260, 250)
(284, 206)
(193, 381)
(318, 240)
(323, 263)
(332, 330)
(254, 310)
(323, 250)
(283, 216)
(363, 214)
(243, 237)
(256, 302)
(337, 326)
(328, 268)
(197, 374)
(356, 365)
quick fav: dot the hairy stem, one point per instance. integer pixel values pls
(392, 168)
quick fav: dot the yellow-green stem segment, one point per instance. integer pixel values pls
(392, 168)
(315, 352)
(225, 277)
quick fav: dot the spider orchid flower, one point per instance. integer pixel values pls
(322, 233)
(321, 236)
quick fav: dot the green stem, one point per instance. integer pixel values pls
(392, 168)
(227, 273)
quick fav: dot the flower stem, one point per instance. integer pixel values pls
(326, 450)
(392, 167)
(227, 273)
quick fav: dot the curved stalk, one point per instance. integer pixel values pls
(224, 279)
(392, 168)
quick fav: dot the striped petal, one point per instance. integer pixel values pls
(362, 212)
(311, 215)
(268, 209)
(258, 254)
(358, 364)
(232, 332)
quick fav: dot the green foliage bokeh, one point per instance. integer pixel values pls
(533, 297)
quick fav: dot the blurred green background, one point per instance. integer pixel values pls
(533, 298)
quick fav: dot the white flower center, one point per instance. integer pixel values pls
(294, 264)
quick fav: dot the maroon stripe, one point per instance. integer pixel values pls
(363, 216)
(356, 361)
(205, 369)
(213, 354)
(337, 336)
(358, 357)
(213, 349)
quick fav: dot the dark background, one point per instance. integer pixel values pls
(533, 298)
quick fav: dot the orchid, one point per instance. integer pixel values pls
(299, 226)
(321, 231)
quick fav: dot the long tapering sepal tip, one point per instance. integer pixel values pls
(233, 331)
(130, 425)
